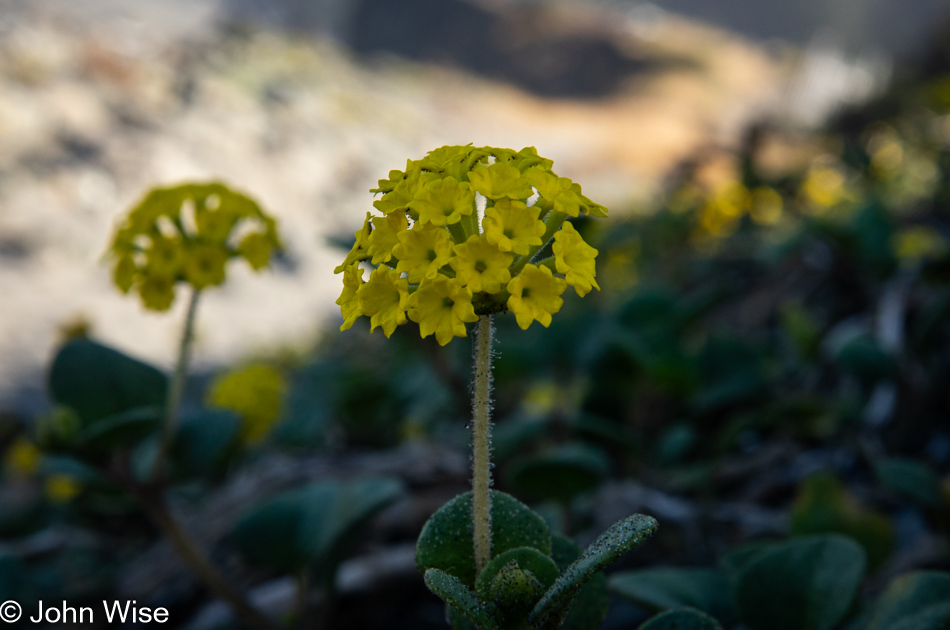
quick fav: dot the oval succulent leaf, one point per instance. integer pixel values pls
(615, 542)
(802, 583)
(910, 597)
(681, 619)
(664, 588)
(446, 540)
(461, 599)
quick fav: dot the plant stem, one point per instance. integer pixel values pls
(154, 505)
(176, 386)
(481, 444)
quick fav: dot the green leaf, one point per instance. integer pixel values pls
(98, 382)
(932, 618)
(315, 524)
(824, 506)
(591, 603)
(803, 584)
(919, 600)
(867, 360)
(910, 479)
(446, 541)
(204, 442)
(119, 430)
(559, 474)
(616, 541)
(269, 534)
(461, 599)
(708, 590)
(331, 528)
(681, 619)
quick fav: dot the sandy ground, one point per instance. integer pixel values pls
(96, 106)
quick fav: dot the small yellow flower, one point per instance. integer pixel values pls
(481, 265)
(766, 206)
(158, 292)
(404, 192)
(385, 236)
(164, 256)
(557, 193)
(444, 202)
(125, 273)
(512, 226)
(499, 181)
(528, 158)
(360, 250)
(913, 244)
(575, 259)
(23, 458)
(61, 488)
(422, 251)
(214, 225)
(383, 299)
(204, 265)
(256, 249)
(824, 187)
(441, 306)
(535, 295)
(348, 300)
(256, 393)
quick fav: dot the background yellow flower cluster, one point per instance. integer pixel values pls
(468, 231)
(188, 233)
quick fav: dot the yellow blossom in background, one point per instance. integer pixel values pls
(441, 307)
(575, 259)
(23, 458)
(61, 488)
(535, 295)
(383, 299)
(439, 265)
(766, 206)
(255, 392)
(158, 292)
(183, 234)
(913, 244)
(824, 187)
(204, 265)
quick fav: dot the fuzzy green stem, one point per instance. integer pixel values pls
(481, 444)
(176, 386)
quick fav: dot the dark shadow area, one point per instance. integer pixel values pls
(522, 46)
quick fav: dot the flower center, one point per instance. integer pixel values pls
(525, 292)
(430, 255)
(480, 266)
(447, 303)
(508, 233)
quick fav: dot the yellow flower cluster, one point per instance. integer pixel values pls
(468, 231)
(188, 233)
(724, 208)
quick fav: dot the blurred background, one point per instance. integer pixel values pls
(772, 333)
